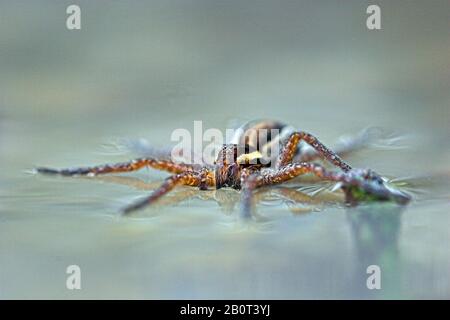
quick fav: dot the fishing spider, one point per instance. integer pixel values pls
(237, 171)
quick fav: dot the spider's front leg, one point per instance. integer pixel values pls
(133, 165)
(190, 178)
(358, 142)
(290, 148)
(357, 184)
(249, 182)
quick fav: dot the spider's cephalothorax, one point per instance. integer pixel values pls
(227, 171)
(249, 162)
(231, 159)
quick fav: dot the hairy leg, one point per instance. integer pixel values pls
(365, 180)
(249, 182)
(290, 148)
(187, 178)
(207, 178)
(133, 165)
(352, 144)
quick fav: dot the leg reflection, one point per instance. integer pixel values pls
(375, 230)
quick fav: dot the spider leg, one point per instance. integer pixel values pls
(133, 165)
(290, 149)
(366, 180)
(249, 182)
(348, 146)
(189, 178)
(207, 178)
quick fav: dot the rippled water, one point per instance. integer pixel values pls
(139, 70)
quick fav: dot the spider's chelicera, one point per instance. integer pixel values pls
(239, 170)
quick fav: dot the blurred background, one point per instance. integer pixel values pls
(140, 70)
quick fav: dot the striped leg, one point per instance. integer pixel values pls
(366, 181)
(364, 139)
(187, 178)
(290, 149)
(133, 165)
(249, 182)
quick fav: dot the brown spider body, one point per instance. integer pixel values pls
(228, 166)
(227, 172)
(249, 163)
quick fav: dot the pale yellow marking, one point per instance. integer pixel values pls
(246, 158)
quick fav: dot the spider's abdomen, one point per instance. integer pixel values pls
(264, 136)
(257, 133)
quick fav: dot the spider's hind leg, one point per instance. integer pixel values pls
(129, 166)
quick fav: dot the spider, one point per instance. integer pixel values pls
(240, 170)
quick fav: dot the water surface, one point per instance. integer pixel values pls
(138, 70)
